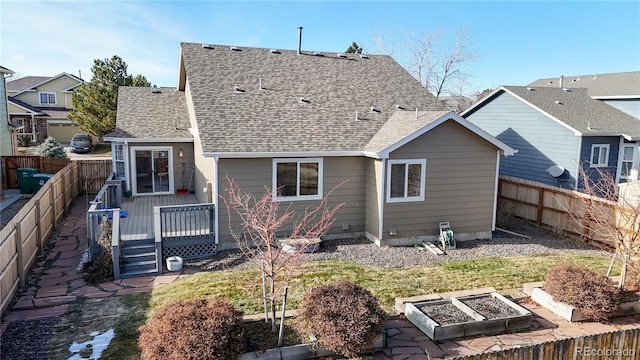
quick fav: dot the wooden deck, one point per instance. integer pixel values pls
(138, 225)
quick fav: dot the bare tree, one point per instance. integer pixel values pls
(608, 216)
(439, 68)
(261, 220)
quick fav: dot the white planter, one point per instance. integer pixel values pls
(174, 263)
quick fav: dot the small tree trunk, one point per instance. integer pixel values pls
(264, 297)
(273, 306)
(623, 273)
(284, 309)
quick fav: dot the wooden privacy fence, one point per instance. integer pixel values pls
(623, 345)
(93, 174)
(25, 235)
(552, 207)
(11, 164)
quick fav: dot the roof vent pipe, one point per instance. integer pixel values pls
(260, 81)
(357, 119)
(416, 113)
(299, 39)
(561, 81)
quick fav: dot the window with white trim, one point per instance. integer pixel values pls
(48, 98)
(599, 155)
(118, 157)
(297, 179)
(626, 171)
(406, 180)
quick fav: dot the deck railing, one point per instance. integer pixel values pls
(187, 231)
(106, 202)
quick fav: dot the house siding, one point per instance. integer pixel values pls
(585, 156)
(629, 106)
(252, 175)
(373, 175)
(203, 176)
(6, 145)
(57, 85)
(540, 141)
(460, 184)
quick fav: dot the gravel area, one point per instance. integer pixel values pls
(446, 314)
(18, 340)
(490, 307)
(10, 211)
(364, 252)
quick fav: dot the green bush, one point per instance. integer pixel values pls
(593, 294)
(193, 330)
(24, 140)
(50, 148)
(343, 316)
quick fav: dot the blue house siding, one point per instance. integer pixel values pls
(541, 142)
(585, 155)
(629, 106)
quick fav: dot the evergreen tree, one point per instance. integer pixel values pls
(354, 48)
(95, 103)
(50, 148)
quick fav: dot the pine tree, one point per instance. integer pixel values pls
(95, 103)
(50, 148)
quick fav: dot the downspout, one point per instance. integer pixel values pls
(215, 198)
(495, 191)
(579, 165)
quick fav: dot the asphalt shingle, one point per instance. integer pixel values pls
(273, 119)
(598, 85)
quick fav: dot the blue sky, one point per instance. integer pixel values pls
(518, 42)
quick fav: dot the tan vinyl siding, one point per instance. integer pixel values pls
(56, 86)
(460, 183)
(252, 175)
(373, 186)
(204, 167)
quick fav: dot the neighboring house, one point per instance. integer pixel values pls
(7, 141)
(41, 104)
(620, 90)
(302, 123)
(557, 131)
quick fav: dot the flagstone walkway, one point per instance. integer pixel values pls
(54, 283)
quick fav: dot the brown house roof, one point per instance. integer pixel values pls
(307, 102)
(622, 84)
(26, 82)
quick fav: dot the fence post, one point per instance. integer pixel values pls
(157, 227)
(540, 206)
(19, 249)
(38, 227)
(52, 200)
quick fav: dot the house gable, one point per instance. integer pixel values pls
(57, 90)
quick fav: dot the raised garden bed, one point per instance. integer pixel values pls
(570, 313)
(467, 316)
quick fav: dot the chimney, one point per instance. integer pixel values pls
(561, 81)
(299, 39)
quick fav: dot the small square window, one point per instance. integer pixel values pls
(599, 155)
(48, 98)
(406, 180)
(297, 179)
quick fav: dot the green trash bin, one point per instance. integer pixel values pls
(39, 180)
(26, 180)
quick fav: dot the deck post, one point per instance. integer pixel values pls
(115, 244)
(157, 233)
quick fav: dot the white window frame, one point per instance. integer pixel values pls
(119, 160)
(423, 177)
(601, 147)
(635, 158)
(48, 94)
(298, 161)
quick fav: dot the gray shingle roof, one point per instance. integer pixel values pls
(145, 112)
(273, 119)
(579, 111)
(25, 82)
(400, 125)
(598, 85)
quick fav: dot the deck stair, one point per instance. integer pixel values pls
(138, 258)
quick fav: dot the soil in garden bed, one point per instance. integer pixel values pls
(490, 307)
(261, 338)
(446, 314)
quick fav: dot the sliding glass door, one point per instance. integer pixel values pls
(152, 170)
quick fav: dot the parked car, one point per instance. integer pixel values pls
(81, 143)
